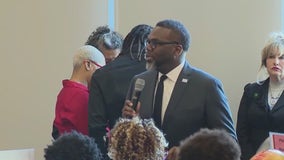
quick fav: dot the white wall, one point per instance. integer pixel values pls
(227, 35)
(37, 42)
(38, 38)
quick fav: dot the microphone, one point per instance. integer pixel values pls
(139, 85)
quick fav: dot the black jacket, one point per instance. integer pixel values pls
(255, 120)
(108, 90)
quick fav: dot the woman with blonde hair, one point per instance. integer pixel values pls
(262, 105)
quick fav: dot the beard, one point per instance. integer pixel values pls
(150, 65)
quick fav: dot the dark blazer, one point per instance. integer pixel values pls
(197, 101)
(108, 90)
(255, 120)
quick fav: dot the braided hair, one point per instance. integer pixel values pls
(135, 42)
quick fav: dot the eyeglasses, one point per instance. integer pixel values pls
(154, 43)
(95, 63)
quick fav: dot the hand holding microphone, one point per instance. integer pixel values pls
(131, 106)
(139, 85)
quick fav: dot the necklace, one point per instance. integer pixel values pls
(274, 95)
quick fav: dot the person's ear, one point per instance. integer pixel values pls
(87, 65)
(178, 50)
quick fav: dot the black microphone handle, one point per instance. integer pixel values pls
(135, 99)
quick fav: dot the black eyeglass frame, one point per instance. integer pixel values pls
(154, 43)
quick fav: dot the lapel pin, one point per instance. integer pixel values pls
(184, 80)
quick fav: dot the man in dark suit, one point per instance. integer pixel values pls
(109, 84)
(192, 99)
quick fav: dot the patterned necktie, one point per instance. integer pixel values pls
(158, 102)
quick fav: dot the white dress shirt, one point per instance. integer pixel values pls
(169, 85)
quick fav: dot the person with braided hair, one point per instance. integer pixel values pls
(136, 139)
(107, 41)
(109, 84)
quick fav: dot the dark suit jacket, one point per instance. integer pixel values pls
(197, 101)
(108, 90)
(255, 120)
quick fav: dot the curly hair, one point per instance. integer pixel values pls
(73, 146)
(208, 144)
(104, 36)
(136, 139)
